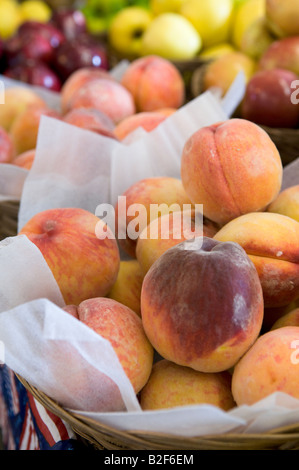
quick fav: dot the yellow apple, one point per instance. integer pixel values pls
(127, 28)
(171, 36)
(245, 15)
(163, 6)
(211, 19)
(213, 52)
(282, 17)
(256, 39)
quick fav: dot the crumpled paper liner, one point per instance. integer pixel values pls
(56, 352)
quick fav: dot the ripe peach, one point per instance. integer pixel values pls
(271, 242)
(154, 83)
(232, 168)
(127, 287)
(155, 194)
(83, 265)
(25, 159)
(92, 120)
(286, 203)
(108, 96)
(76, 80)
(7, 148)
(289, 319)
(270, 365)
(222, 71)
(24, 130)
(202, 304)
(167, 231)
(147, 120)
(17, 99)
(171, 385)
(123, 329)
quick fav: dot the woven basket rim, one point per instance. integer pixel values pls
(103, 436)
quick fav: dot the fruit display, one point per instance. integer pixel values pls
(194, 317)
(45, 52)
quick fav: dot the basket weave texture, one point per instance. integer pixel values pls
(103, 437)
(8, 218)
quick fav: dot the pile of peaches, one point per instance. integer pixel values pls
(211, 318)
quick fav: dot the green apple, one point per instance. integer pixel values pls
(212, 19)
(127, 28)
(171, 36)
(164, 6)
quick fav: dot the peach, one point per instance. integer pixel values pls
(271, 242)
(152, 197)
(108, 96)
(91, 119)
(222, 71)
(146, 120)
(25, 159)
(17, 99)
(7, 148)
(76, 80)
(119, 325)
(24, 130)
(167, 231)
(127, 287)
(83, 265)
(232, 168)
(270, 365)
(286, 203)
(202, 304)
(154, 83)
(171, 385)
(289, 319)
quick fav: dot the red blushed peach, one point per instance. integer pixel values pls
(83, 265)
(92, 120)
(121, 326)
(76, 80)
(7, 148)
(154, 197)
(25, 159)
(270, 365)
(127, 287)
(147, 120)
(171, 385)
(108, 96)
(154, 83)
(222, 71)
(167, 231)
(232, 168)
(17, 99)
(287, 203)
(24, 130)
(202, 304)
(289, 319)
(271, 241)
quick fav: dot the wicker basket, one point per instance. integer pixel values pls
(103, 437)
(8, 218)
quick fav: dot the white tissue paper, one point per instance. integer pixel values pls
(54, 351)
